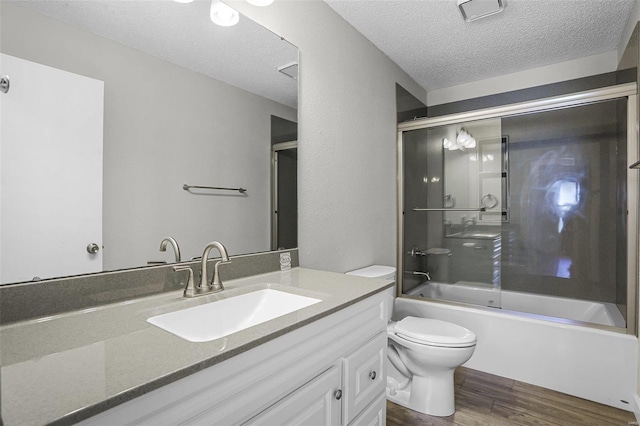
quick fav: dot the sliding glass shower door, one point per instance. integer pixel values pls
(455, 201)
(532, 209)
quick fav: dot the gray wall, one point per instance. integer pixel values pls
(164, 126)
(346, 139)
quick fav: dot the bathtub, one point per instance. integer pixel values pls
(587, 362)
(536, 304)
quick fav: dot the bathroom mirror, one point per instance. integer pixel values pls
(185, 101)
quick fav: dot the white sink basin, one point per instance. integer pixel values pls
(218, 319)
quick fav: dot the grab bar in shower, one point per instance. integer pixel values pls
(481, 209)
(188, 187)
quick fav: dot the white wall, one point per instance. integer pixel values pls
(346, 139)
(577, 68)
(634, 17)
(164, 126)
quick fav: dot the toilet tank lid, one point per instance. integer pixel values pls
(434, 332)
(375, 271)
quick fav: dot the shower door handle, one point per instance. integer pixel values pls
(480, 209)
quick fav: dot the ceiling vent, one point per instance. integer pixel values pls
(290, 69)
(476, 9)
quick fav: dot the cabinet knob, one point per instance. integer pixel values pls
(93, 248)
(337, 394)
(372, 375)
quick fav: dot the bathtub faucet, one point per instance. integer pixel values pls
(422, 274)
(415, 251)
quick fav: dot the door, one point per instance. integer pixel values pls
(285, 195)
(51, 126)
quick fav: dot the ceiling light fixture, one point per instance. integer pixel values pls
(223, 15)
(260, 2)
(463, 142)
(476, 9)
(446, 143)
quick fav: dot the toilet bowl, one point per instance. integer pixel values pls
(423, 354)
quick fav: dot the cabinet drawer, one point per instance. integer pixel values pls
(374, 415)
(364, 376)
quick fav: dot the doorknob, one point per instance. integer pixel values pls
(5, 83)
(93, 248)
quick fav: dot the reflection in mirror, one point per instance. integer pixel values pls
(113, 107)
(474, 173)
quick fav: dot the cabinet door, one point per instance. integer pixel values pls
(314, 404)
(374, 415)
(364, 376)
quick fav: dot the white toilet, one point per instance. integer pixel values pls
(376, 271)
(423, 353)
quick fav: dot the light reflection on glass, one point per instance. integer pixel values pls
(564, 267)
(565, 196)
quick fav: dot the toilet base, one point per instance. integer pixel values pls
(433, 395)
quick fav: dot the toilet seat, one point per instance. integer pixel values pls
(432, 332)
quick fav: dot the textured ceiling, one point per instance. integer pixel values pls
(246, 55)
(430, 40)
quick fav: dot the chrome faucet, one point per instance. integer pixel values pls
(422, 274)
(216, 283)
(174, 244)
(415, 251)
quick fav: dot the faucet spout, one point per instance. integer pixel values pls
(174, 244)
(216, 283)
(422, 274)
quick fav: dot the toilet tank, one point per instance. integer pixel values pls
(376, 271)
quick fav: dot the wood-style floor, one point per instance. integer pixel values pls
(484, 399)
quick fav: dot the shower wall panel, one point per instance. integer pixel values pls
(565, 200)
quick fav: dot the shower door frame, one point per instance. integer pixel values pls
(627, 90)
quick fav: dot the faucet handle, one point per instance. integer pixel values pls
(216, 283)
(190, 289)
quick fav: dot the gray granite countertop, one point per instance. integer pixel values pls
(68, 367)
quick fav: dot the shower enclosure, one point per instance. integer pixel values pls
(528, 208)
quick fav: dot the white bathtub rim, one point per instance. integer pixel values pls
(506, 294)
(522, 316)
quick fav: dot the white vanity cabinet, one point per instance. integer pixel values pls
(364, 376)
(328, 372)
(316, 403)
(337, 395)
